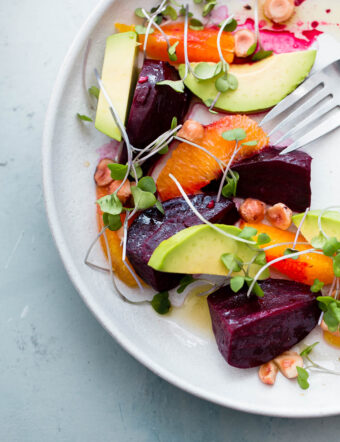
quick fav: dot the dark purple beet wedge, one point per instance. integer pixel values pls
(275, 178)
(153, 107)
(252, 331)
(150, 228)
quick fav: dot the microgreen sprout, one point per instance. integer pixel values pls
(150, 23)
(160, 303)
(184, 282)
(94, 91)
(196, 25)
(176, 85)
(261, 53)
(84, 118)
(218, 43)
(305, 353)
(302, 377)
(172, 51)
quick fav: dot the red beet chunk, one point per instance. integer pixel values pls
(153, 107)
(252, 331)
(275, 178)
(150, 228)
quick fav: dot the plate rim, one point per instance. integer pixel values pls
(71, 269)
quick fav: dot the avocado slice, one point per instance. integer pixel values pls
(261, 85)
(198, 249)
(310, 229)
(119, 76)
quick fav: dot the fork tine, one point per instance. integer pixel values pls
(318, 113)
(322, 129)
(300, 111)
(291, 99)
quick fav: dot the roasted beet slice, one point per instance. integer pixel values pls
(275, 178)
(150, 228)
(153, 107)
(252, 331)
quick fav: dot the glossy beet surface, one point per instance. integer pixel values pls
(275, 178)
(252, 331)
(150, 228)
(153, 107)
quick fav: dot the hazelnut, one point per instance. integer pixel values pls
(252, 211)
(191, 131)
(102, 174)
(268, 373)
(287, 363)
(280, 216)
(278, 10)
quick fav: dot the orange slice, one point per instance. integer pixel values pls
(194, 168)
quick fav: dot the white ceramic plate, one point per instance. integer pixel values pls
(179, 353)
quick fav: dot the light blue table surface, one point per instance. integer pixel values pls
(63, 378)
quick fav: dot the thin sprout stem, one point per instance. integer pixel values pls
(272, 246)
(220, 162)
(158, 27)
(219, 35)
(215, 100)
(86, 259)
(321, 215)
(300, 227)
(329, 294)
(151, 22)
(256, 24)
(158, 140)
(320, 367)
(274, 261)
(226, 172)
(153, 152)
(120, 294)
(186, 58)
(199, 216)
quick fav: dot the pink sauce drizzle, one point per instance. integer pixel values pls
(281, 40)
(298, 2)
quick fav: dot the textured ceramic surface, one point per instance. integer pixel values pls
(177, 352)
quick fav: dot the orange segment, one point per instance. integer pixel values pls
(194, 168)
(121, 27)
(202, 45)
(118, 265)
(306, 268)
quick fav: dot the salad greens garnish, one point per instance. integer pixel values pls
(261, 55)
(308, 349)
(172, 51)
(237, 134)
(208, 7)
(251, 49)
(205, 70)
(331, 311)
(263, 238)
(160, 303)
(230, 26)
(232, 262)
(118, 171)
(84, 117)
(230, 188)
(317, 286)
(302, 378)
(248, 232)
(196, 25)
(142, 30)
(113, 222)
(94, 91)
(290, 251)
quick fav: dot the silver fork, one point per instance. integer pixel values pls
(309, 112)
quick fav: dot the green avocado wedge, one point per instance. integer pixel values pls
(198, 249)
(119, 76)
(261, 85)
(330, 222)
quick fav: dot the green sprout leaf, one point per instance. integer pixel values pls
(176, 85)
(236, 283)
(250, 143)
(170, 12)
(94, 91)
(260, 55)
(172, 51)
(308, 349)
(288, 252)
(196, 25)
(230, 188)
(302, 378)
(139, 13)
(331, 309)
(147, 184)
(263, 238)
(174, 123)
(232, 262)
(139, 172)
(112, 221)
(118, 171)
(205, 71)
(160, 303)
(141, 30)
(110, 204)
(159, 206)
(233, 82)
(182, 12)
(234, 134)
(251, 49)
(222, 84)
(143, 200)
(261, 259)
(209, 7)
(230, 27)
(336, 265)
(256, 289)
(319, 241)
(317, 286)
(330, 246)
(84, 117)
(184, 282)
(198, 1)
(164, 150)
(247, 232)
